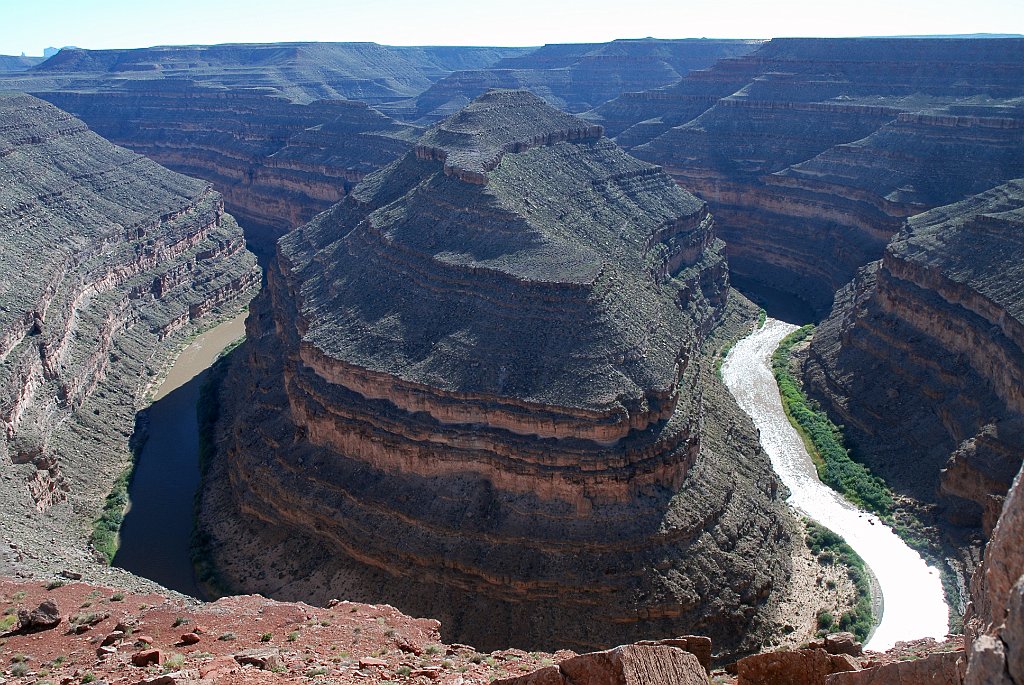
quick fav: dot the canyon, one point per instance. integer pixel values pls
(480, 383)
(497, 396)
(109, 261)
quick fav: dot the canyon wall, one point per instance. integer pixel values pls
(500, 407)
(276, 163)
(922, 357)
(811, 152)
(108, 261)
(572, 77)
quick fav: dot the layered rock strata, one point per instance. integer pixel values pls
(499, 412)
(922, 357)
(108, 259)
(277, 163)
(301, 72)
(811, 152)
(573, 77)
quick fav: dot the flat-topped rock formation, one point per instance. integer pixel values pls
(13, 63)
(498, 408)
(922, 357)
(277, 163)
(573, 77)
(301, 72)
(811, 152)
(108, 260)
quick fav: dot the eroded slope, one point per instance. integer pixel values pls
(108, 258)
(499, 411)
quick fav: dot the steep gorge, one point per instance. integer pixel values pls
(811, 152)
(108, 261)
(501, 409)
(922, 357)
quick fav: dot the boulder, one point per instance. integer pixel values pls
(698, 645)
(190, 638)
(843, 643)
(628, 665)
(147, 657)
(942, 668)
(46, 616)
(176, 678)
(266, 659)
(797, 667)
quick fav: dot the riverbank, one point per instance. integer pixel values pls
(913, 597)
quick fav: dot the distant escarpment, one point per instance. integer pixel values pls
(300, 72)
(573, 77)
(108, 258)
(498, 406)
(922, 357)
(812, 152)
(277, 163)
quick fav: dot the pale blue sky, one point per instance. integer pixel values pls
(31, 25)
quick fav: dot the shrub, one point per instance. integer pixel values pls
(824, 440)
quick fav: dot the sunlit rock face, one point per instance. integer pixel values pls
(922, 357)
(812, 152)
(107, 259)
(498, 411)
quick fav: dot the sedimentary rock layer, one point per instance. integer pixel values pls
(573, 77)
(276, 163)
(107, 257)
(811, 152)
(301, 72)
(922, 357)
(498, 411)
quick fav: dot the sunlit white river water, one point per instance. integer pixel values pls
(914, 603)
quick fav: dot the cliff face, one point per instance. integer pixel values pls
(811, 153)
(490, 355)
(575, 77)
(923, 355)
(276, 163)
(994, 624)
(107, 256)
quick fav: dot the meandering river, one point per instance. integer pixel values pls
(157, 529)
(914, 605)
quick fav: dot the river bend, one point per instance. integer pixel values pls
(912, 595)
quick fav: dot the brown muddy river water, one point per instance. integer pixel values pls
(157, 528)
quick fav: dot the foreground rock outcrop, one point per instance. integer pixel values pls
(923, 355)
(108, 261)
(994, 623)
(499, 411)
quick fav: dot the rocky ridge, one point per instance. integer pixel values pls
(923, 354)
(109, 261)
(492, 354)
